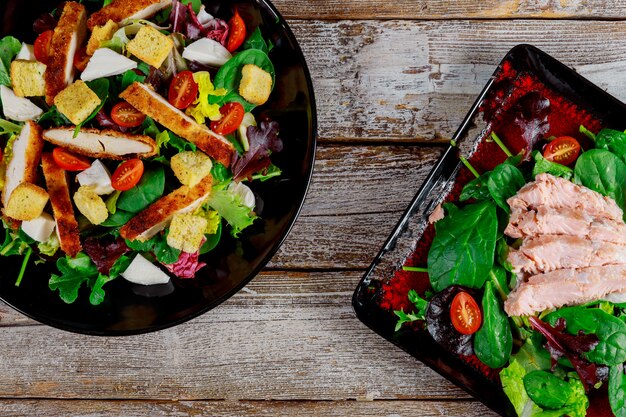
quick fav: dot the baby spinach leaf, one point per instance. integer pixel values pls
(617, 390)
(504, 181)
(476, 189)
(546, 389)
(150, 188)
(493, 342)
(211, 240)
(256, 41)
(9, 48)
(463, 249)
(613, 141)
(117, 219)
(602, 171)
(542, 165)
(74, 271)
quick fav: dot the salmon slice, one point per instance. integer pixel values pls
(121, 11)
(565, 287)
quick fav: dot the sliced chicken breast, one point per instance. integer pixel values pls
(22, 166)
(58, 190)
(121, 11)
(149, 102)
(158, 215)
(69, 35)
(108, 144)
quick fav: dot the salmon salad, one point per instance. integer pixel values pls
(132, 139)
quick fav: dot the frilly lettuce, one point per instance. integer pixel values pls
(50, 246)
(230, 207)
(201, 110)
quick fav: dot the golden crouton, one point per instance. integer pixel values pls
(27, 78)
(91, 205)
(26, 202)
(191, 167)
(101, 34)
(256, 84)
(77, 102)
(151, 46)
(186, 232)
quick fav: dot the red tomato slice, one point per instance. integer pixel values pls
(465, 314)
(236, 32)
(127, 175)
(42, 46)
(126, 115)
(183, 90)
(81, 59)
(232, 116)
(69, 161)
(563, 150)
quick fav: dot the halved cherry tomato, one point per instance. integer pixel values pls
(183, 90)
(236, 32)
(42, 46)
(70, 161)
(563, 150)
(232, 116)
(126, 115)
(127, 175)
(465, 314)
(81, 59)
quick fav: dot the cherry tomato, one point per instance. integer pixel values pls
(563, 150)
(465, 314)
(69, 161)
(81, 59)
(127, 175)
(232, 116)
(236, 32)
(126, 115)
(183, 90)
(42, 46)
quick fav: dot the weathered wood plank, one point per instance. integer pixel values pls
(414, 81)
(442, 9)
(47, 408)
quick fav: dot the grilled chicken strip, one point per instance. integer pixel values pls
(121, 11)
(565, 287)
(69, 35)
(22, 166)
(158, 215)
(108, 144)
(149, 102)
(58, 190)
(555, 192)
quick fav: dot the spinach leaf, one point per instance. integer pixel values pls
(546, 389)
(493, 342)
(101, 88)
(212, 240)
(256, 41)
(55, 117)
(149, 189)
(542, 165)
(617, 390)
(220, 173)
(463, 249)
(476, 189)
(613, 141)
(117, 219)
(611, 332)
(602, 171)
(74, 272)
(229, 76)
(504, 181)
(9, 48)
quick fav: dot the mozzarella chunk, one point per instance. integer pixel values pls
(17, 108)
(106, 63)
(203, 16)
(98, 177)
(40, 228)
(27, 53)
(244, 192)
(143, 272)
(207, 51)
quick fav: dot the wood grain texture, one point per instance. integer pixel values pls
(415, 81)
(443, 9)
(50, 408)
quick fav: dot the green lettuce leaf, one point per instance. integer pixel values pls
(231, 208)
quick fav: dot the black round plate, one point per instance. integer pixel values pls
(131, 309)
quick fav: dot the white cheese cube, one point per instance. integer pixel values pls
(105, 63)
(98, 177)
(207, 51)
(17, 108)
(27, 53)
(40, 228)
(143, 272)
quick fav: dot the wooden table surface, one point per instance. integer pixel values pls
(393, 80)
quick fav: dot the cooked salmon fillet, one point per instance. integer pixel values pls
(58, 190)
(69, 35)
(158, 215)
(121, 11)
(565, 287)
(149, 102)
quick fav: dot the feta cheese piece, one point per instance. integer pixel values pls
(207, 51)
(17, 108)
(244, 192)
(203, 16)
(106, 63)
(98, 177)
(143, 272)
(27, 53)
(40, 228)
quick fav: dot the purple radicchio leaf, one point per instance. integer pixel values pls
(186, 266)
(178, 16)
(217, 29)
(106, 122)
(105, 251)
(263, 140)
(44, 22)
